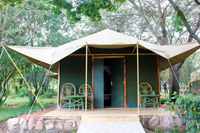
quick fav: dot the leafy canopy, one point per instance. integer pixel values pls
(90, 8)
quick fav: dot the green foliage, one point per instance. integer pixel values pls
(164, 99)
(188, 67)
(178, 23)
(48, 94)
(188, 107)
(89, 8)
(3, 3)
(23, 92)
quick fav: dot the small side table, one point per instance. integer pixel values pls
(76, 101)
(149, 100)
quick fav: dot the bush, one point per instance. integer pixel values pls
(48, 94)
(23, 92)
(188, 107)
(165, 99)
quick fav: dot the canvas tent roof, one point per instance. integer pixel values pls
(47, 56)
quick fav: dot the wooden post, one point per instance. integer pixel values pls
(125, 94)
(93, 78)
(58, 91)
(158, 63)
(86, 67)
(138, 81)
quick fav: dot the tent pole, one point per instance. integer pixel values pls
(138, 93)
(86, 67)
(22, 76)
(58, 91)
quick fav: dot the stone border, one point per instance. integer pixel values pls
(166, 122)
(42, 125)
(151, 122)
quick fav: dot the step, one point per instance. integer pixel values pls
(109, 118)
(111, 127)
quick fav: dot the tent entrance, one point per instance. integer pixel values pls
(109, 82)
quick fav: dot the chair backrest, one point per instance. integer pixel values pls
(68, 89)
(82, 90)
(146, 89)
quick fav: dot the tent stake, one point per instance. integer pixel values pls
(138, 93)
(22, 76)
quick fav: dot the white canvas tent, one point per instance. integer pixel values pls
(106, 39)
(47, 56)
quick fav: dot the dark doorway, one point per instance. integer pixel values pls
(107, 83)
(113, 82)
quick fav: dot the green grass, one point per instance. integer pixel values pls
(25, 100)
(20, 106)
(6, 113)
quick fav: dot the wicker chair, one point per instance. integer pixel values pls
(146, 89)
(89, 94)
(68, 89)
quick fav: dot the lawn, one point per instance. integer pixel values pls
(16, 106)
(24, 100)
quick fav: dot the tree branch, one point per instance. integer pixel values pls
(180, 13)
(6, 17)
(141, 12)
(162, 22)
(197, 2)
(195, 29)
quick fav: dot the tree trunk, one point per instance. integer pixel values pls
(175, 80)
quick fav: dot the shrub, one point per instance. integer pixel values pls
(23, 92)
(165, 99)
(188, 107)
(48, 94)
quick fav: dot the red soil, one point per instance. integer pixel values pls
(35, 115)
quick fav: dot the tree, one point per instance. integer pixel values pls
(6, 70)
(30, 23)
(185, 21)
(75, 10)
(163, 28)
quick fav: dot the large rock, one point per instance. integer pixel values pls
(78, 122)
(23, 124)
(178, 121)
(171, 120)
(39, 126)
(49, 126)
(166, 121)
(48, 121)
(31, 124)
(154, 121)
(70, 125)
(59, 126)
(12, 123)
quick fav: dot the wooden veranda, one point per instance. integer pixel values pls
(105, 114)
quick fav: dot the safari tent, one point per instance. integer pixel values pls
(113, 64)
